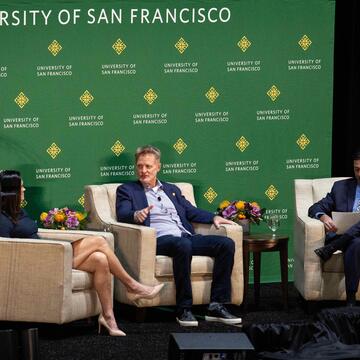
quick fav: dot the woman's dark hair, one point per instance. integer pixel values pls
(356, 154)
(10, 184)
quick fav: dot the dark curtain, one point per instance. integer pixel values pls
(346, 104)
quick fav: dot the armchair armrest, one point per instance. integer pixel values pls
(135, 246)
(309, 234)
(71, 235)
(33, 271)
(235, 233)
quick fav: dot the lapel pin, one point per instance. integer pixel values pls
(173, 194)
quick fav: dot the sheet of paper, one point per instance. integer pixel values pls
(344, 220)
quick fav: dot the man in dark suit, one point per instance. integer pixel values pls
(160, 205)
(344, 197)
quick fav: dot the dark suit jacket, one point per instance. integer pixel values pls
(340, 198)
(23, 228)
(131, 197)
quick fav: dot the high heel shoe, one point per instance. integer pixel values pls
(135, 297)
(112, 332)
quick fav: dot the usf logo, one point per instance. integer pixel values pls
(21, 100)
(53, 150)
(54, 47)
(210, 195)
(180, 146)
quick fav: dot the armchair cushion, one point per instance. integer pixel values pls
(200, 266)
(81, 280)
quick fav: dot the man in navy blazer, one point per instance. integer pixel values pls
(161, 205)
(344, 197)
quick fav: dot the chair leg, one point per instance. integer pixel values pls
(311, 307)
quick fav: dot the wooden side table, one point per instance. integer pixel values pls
(257, 244)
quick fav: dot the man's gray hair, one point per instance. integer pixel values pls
(147, 149)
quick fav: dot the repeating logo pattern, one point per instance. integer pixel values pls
(180, 146)
(118, 148)
(303, 141)
(86, 98)
(21, 100)
(150, 96)
(23, 203)
(305, 42)
(53, 150)
(242, 144)
(210, 195)
(273, 93)
(212, 94)
(244, 43)
(271, 192)
(54, 47)
(181, 45)
(119, 46)
(81, 200)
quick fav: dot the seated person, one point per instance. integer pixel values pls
(344, 196)
(91, 253)
(160, 205)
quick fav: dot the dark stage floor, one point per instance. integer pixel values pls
(149, 339)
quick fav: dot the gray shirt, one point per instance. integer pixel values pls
(163, 216)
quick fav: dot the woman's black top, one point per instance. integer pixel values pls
(23, 228)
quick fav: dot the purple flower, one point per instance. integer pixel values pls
(229, 211)
(72, 222)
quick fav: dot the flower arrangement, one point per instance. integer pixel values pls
(63, 219)
(239, 210)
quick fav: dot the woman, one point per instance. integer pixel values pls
(91, 253)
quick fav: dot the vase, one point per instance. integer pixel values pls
(245, 224)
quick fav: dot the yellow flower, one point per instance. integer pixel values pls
(80, 216)
(224, 204)
(43, 216)
(240, 205)
(254, 203)
(59, 217)
(241, 216)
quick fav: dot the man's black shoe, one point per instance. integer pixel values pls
(325, 252)
(221, 314)
(186, 318)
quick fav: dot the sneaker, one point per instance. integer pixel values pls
(221, 314)
(186, 318)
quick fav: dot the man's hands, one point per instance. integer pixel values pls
(218, 220)
(141, 215)
(328, 223)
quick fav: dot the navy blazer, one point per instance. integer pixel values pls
(340, 198)
(131, 197)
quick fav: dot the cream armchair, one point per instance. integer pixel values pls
(314, 280)
(135, 246)
(37, 282)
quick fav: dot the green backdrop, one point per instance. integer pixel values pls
(236, 94)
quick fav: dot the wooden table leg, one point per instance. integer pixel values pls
(284, 273)
(257, 269)
(246, 273)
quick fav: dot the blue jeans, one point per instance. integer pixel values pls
(181, 249)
